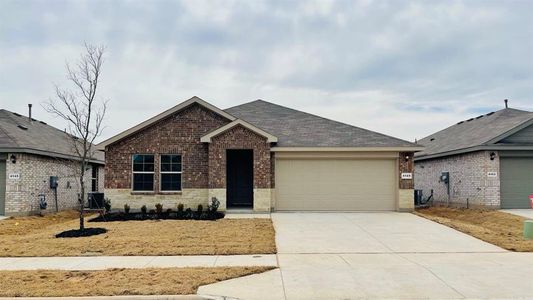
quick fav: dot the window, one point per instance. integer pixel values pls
(143, 172)
(94, 179)
(171, 172)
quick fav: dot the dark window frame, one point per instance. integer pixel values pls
(170, 172)
(142, 172)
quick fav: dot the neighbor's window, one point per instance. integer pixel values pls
(171, 172)
(143, 172)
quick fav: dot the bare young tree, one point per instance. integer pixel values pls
(84, 112)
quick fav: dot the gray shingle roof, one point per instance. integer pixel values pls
(18, 133)
(299, 129)
(474, 132)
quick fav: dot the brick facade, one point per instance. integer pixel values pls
(177, 134)
(22, 195)
(468, 179)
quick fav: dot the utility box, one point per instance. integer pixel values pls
(445, 177)
(418, 197)
(96, 200)
(53, 182)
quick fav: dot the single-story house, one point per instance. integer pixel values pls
(256, 156)
(31, 152)
(483, 161)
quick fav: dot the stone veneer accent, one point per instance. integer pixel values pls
(190, 198)
(468, 179)
(22, 195)
(406, 191)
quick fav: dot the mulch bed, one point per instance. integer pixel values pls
(168, 215)
(81, 233)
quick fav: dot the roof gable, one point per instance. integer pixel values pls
(207, 138)
(295, 128)
(163, 115)
(484, 130)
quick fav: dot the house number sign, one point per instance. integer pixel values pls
(14, 176)
(407, 175)
(492, 174)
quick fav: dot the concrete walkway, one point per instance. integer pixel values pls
(3, 218)
(106, 262)
(526, 213)
(380, 255)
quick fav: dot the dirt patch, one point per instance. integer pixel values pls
(152, 237)
(164, 281)
(24, 225)
(495, 227)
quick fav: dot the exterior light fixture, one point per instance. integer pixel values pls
(407, 157)
(13, 158)
(492, 155)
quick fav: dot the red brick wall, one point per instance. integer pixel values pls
(179, 134)
(406, 166)
(239, 138)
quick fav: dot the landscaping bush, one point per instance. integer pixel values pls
(200, 208)
(159, 208)
(180, 207)
(213, 207)
(143, 209)
(126, 208)
(107, 204)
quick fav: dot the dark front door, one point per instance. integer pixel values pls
(240, 178)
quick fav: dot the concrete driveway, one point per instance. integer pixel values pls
(380, 255)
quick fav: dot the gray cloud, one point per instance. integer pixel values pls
(401, 68)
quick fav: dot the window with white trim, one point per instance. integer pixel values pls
(170, 172)
(143, 172)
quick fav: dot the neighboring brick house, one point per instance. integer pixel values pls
(30, 153)
(488, 160)
(256, 156)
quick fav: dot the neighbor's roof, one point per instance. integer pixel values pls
(482, 131)
(18, 134)
(295, 128)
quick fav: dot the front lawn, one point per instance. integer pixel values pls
(112, 282)
(35, 236)
(492, 226)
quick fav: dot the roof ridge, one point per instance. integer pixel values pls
(323, 118)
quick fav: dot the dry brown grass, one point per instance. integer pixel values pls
(111, 282)
(35, 236)
(495, 227)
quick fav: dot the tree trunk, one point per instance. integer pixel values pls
(82, 197)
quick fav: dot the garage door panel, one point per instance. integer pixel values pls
(329, 184)
(516, 181)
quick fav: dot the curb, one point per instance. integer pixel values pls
(132, 297)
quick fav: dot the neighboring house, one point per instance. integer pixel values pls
(258, 156)
(30, 153)
(489, 160)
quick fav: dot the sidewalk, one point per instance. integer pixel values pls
(107, 262)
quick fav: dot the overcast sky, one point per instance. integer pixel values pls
(402, 68)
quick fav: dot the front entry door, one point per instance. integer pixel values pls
(239, 178)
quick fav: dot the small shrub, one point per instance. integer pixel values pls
(126, 208)
(180, 207)
(213, 207)
(159, 208)
(143, 209)
(107, 204)
(151, 211)
(200, 208)
(169, 210)
(188, 213)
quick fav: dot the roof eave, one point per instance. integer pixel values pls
(474, 149)
(347, 149)
(47, 153)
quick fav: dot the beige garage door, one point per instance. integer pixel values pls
(335, 184)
